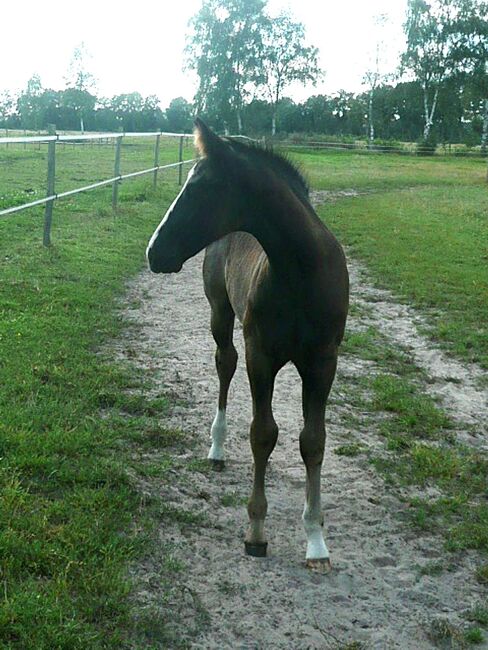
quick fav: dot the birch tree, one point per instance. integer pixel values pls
(225, 48)
(81, 81)
(286, 59)
(428, 30)
(375, 75)
(470, 55)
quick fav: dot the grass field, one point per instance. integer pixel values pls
(422, 228)
(23, 171)
(70, 515)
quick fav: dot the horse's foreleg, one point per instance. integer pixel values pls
(317, 381)
(222, 324)
(264, 433)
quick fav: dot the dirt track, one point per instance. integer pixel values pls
(375, 593)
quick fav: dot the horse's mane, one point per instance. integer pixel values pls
(279, 163)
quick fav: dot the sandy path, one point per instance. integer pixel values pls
(375, 593)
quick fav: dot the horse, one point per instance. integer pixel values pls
(270, 261)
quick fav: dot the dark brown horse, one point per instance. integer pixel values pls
(271, 262)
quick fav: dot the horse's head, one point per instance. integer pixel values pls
(205, 210)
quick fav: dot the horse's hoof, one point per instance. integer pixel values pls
(216, 465)
(256, 549)
(321, 565)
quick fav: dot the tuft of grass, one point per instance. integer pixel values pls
(414, 414)
(233, 500)
(474, 635)
(478, 614)
(351, 449)
(442, 632)
(434, 568)
(482, 574)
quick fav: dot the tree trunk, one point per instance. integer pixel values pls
(484, 134)
(82, 125)
(370, 118)
(239, 121)
(429, 115)
(427, 123)
(273, 124)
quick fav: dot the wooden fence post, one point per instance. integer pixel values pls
(51, 175)
(180, 160)
(115, 186)
(156, 160)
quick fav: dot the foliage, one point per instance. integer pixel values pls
(286, 59)
(225, 48)
(238, 50)
(428, 54)
(427, 146)
(179, 116)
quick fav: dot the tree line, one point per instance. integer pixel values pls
(245, 61)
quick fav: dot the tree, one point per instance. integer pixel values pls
(470, 32)
(375, 75)
(126, 108)
(29, 104)
(179, 115)
(77, 104)
(79, 79)
(286, 59)
(428, 29)
(224, 48)
(7, 107)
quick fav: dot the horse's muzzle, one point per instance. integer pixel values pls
(162, 264)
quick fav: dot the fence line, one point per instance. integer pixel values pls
(51, 195)
(364, 147)
(88, 136)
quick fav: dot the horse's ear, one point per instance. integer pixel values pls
(207, 142)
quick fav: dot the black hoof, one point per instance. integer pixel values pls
(216, 465)
(256, 549)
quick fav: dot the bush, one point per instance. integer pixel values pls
(427, 146)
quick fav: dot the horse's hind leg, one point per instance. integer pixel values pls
(317, 376)
(222, 324)
(264, 433)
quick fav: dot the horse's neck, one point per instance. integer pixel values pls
(291, 236)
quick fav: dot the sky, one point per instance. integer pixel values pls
(138, 46)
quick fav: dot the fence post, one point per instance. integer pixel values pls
(51, 175)
(180, 160)
(115, 186)
(156, 159)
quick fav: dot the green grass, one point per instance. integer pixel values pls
(23, 171)
(478, 614)
(422, 229)
(421, 450)
(341, 170)
(351, 449)
(70, 516)
(69, 513)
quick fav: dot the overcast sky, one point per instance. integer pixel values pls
(138, 46)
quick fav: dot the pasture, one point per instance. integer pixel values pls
(81, 431)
